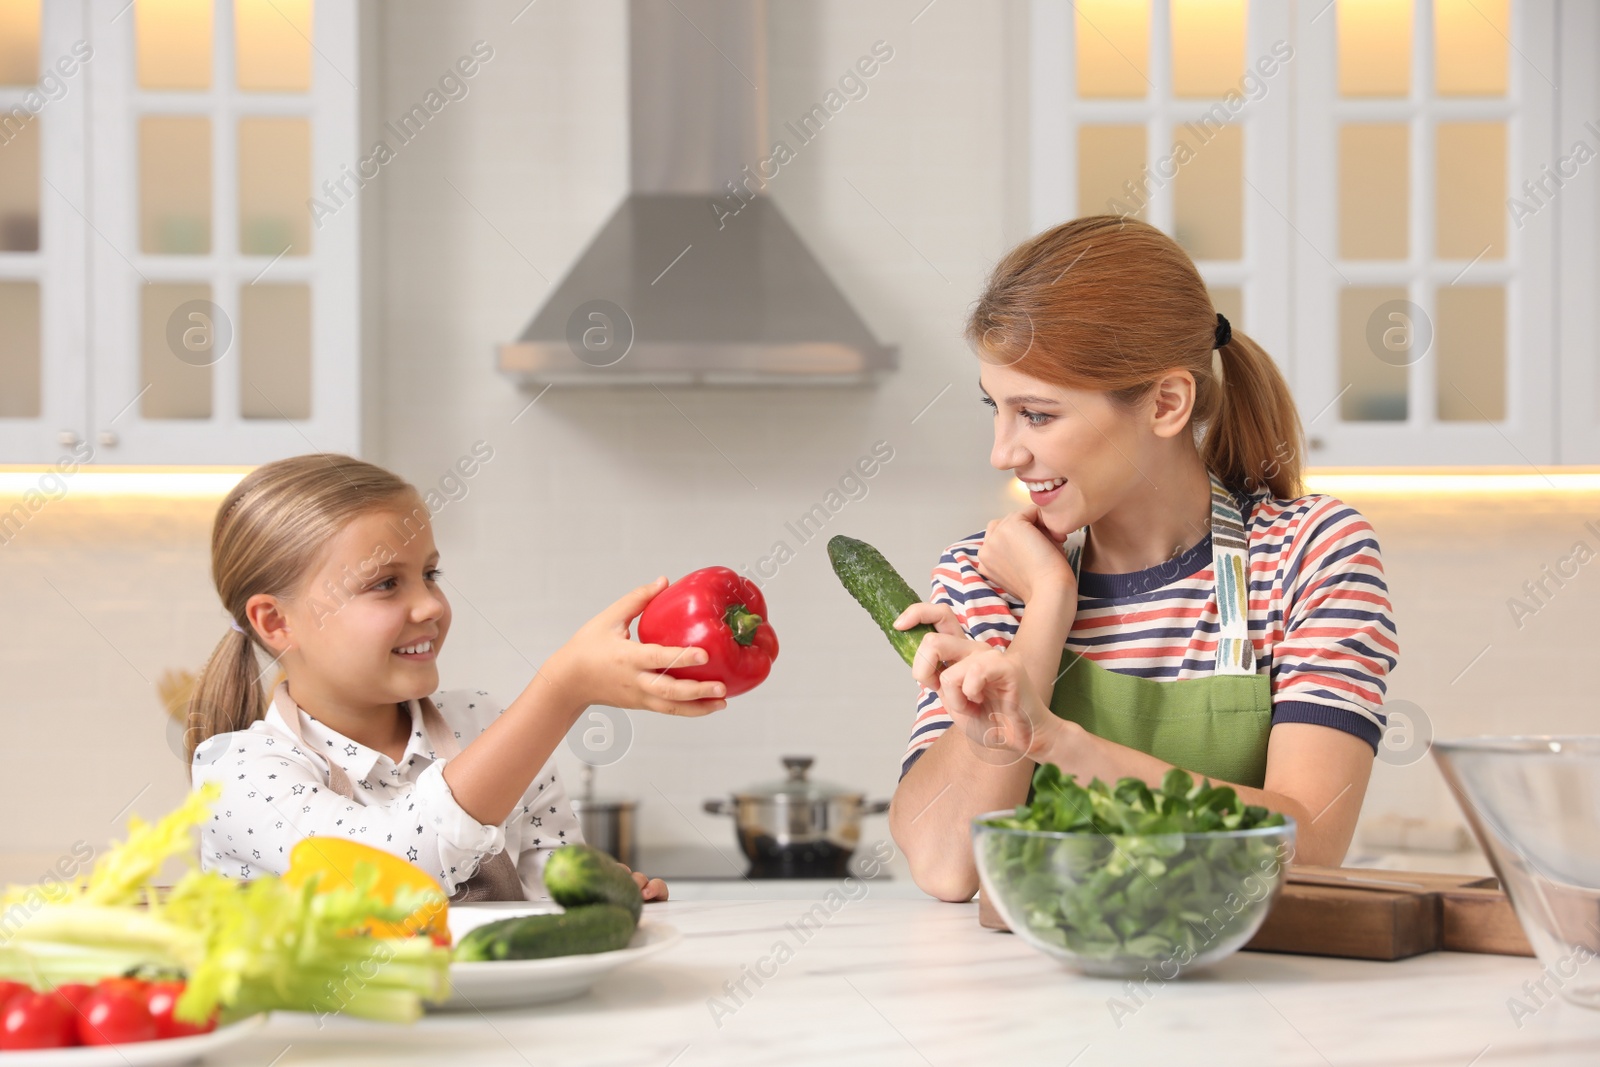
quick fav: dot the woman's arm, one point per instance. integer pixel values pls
(969, 770)
(1317, 775)
(934, 805)
(959, 777)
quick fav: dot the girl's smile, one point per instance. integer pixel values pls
(418, 651)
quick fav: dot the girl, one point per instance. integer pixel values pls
(328, 565)
(1169, 597)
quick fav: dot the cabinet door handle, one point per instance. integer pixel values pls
(68, 439)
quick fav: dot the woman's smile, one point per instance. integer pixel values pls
(1043, 491)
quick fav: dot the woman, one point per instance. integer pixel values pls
(1169, 598)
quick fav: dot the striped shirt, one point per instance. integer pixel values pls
(1319, 617)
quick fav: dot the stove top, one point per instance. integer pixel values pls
(693, 863)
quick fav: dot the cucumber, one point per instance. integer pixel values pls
(577, 875)
(577, 931)
(879, 588)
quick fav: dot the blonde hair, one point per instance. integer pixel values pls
(269, 533)
(1111, 304)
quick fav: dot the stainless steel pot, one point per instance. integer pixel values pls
(607, 823)
(797, 828)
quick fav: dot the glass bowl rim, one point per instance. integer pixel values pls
(1521, 744)
(1289, 827)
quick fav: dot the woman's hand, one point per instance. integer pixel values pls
(1019, 557)
(993, 700)
(947, 645)
(602, 664)
(652, 888)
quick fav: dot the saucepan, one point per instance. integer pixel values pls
(795, 827)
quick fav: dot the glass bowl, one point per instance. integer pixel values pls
(1121, 906)
(1534, 803)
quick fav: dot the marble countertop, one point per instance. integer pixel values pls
(886, 980)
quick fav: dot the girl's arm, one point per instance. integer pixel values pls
(600, 665)
(274, 795)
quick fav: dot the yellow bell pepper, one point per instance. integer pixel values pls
(335, 861)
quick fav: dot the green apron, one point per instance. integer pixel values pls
(1215, 726)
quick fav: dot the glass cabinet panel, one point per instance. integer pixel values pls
(1379, 337)
(1374, 42)
(175, 184)
(1472, 353)
(178, 344)
(19, 41)
(19, 183)
(173, 43)
(1113, 48)
(20, 359)
(1208, 197)
(1374, 190)
(1110, 170)
(272, 42)
(274, 186)
(1471, 44)
(1207, 47)
(275, 351)
(1470, 190)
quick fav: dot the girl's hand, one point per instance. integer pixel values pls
(947, 645)
(1022, 559)
(602, 664)
(652, 888)
(990, 696)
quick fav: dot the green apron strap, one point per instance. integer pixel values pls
(1216, 726)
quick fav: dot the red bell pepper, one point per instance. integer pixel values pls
(722, 612)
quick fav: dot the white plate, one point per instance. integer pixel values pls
(138, 1054)
(518, 983)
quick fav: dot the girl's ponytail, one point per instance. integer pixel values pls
(268, 536)
(1253, 441)
(228, 695)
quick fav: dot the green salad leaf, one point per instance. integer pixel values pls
(1180, 806)
(1129, 883)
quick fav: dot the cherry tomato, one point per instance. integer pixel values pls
(135, 986)
(161, 998)
(75, 993)
(115, 1014)
(10, 989)
(36, 1020)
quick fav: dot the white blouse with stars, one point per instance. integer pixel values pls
(274, 793)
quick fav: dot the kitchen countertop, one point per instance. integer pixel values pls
(886, 980)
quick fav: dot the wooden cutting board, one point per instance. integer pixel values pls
(1369, 914)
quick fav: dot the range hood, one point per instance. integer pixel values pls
(697, 277)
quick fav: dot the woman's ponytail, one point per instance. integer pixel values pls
(228, 694)
(1253, 442)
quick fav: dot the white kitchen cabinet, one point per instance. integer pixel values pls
(43, 240)
(1365, 203)
(192, 308)
(1577, 167)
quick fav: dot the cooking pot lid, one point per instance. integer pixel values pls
(797, 787)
